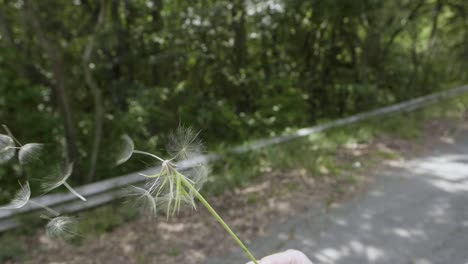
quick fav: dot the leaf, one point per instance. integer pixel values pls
(29, 153)
(7, 148)
(21, 198)
(126, 149)
(61, 227)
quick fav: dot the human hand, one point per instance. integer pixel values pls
(290, 256)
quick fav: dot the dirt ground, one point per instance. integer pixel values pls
(192, 237)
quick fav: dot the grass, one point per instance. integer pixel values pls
(106, 218)
(9, 250)
(91, 223)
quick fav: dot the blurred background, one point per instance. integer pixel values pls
(81, 73)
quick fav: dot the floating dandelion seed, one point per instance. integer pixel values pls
(143, 197)
(126, 149)
(173, 186)
(29, 153)
(61, 227)
(23, 197)
(184, 144)
(58, 226)
(7, 148)
(58, 178)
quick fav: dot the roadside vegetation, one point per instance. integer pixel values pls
(341, 158)
(80, 73)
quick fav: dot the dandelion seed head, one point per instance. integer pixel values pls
(7, 149)
(61, 227)
(153, 184)
(184, 143)
(20, 199)
(171, 203)
(168, 189)
(197, 174)
(173, 186)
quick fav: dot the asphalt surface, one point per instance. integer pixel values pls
(413, 214)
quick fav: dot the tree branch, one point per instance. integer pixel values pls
(410, 17)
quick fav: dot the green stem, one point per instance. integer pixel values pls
(218, 218)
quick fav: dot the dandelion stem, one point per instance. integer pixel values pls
(48, 209)
(73, 191)
(148, 154)
(218, 218)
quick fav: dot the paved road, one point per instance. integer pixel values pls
(417, 214)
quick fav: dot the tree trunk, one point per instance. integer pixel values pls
(58, 85)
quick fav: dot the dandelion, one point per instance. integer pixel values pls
(58, 178)
(61, 227)
(175, 185)
(23, 197)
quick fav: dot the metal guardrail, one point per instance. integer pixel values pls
(105, 191)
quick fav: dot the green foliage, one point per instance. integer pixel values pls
(318, 153)
(105, 219)
(236, 69)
